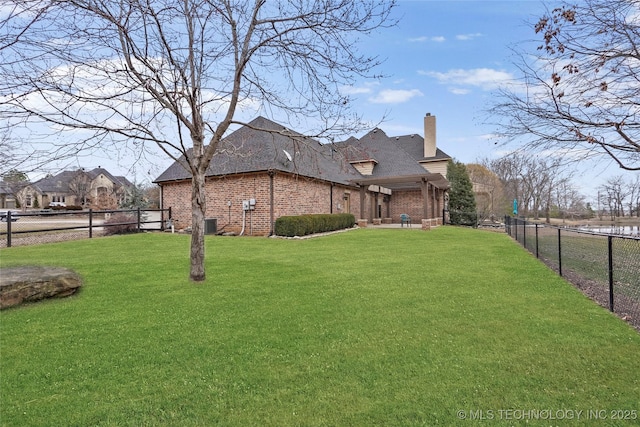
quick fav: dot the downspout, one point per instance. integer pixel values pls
(331, 198)
(271, 203)
(362, 202)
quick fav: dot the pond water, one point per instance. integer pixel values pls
(624, 230)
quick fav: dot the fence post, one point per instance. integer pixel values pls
(524, 234)
(610, 249)
(138, 220)
(537, 251)
(9, 220)
(515, 221)
(90, 223)
(559, 253)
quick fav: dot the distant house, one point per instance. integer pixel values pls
(7, 199)
(263, 171)
(96, 188)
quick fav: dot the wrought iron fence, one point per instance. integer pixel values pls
(45, 226)
(605, 267)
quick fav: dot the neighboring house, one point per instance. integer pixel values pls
(95, 188)
(7, 199)
(263, 171)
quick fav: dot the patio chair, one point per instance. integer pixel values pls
(405, 219)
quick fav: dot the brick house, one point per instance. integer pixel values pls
(263, 171)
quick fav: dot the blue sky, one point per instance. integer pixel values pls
(444, 58)
(447, 58)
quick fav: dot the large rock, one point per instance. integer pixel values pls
(34, 283)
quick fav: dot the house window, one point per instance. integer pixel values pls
(28, 201)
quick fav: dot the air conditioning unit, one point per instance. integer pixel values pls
(210, 225)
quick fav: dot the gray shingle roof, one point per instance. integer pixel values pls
(60, 183)
(391, 158)
(261, 146)
(55, 183)
(414, 145)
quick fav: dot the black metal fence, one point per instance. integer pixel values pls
(605, 267)
(35, 227)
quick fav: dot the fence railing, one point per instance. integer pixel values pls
(35, 227)
(605, 267)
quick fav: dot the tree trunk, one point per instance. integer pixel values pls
(198, 210)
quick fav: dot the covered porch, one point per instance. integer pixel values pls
(384, 199)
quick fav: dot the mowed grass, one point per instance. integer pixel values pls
(368, 327)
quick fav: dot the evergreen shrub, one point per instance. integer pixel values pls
(302, 225)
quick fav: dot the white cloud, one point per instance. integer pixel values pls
(465, 37)
(354, 90)
(459, 91)
(485, 78)
(395, 96)
(422, 39)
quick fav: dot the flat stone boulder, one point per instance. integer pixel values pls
(34, 283)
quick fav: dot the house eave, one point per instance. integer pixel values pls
(406, 181)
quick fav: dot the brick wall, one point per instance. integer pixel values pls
(408, 202)
(411, 203)
(292, 196)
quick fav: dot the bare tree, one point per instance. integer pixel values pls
(613, 194)
(568, 200)
(20, 148)
(489, 192)
(634, 196)
(175, 73)
(80, 187)
(531, 180)
(579, 95)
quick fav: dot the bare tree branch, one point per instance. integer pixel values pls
(173, 73)
(581, 92)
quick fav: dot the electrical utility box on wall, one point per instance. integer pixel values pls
(249, 205)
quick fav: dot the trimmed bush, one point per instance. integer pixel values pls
(463, 218)
(303, 225)
(120, 223)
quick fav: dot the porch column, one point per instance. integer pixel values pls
(434, 201)
(425, 199)
(374, 206)
(362, 200)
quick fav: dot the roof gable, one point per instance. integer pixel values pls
(264, 145)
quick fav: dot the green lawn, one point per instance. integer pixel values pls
(368, 327)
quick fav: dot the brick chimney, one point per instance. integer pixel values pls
(429, 135)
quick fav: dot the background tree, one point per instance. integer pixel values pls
(634, 196)
(80, 187)
(135, 197)
(20, 148)
(614, 194)
(15, 176)
(488, 191)
(579, 94)
(568, 201)
(535, 182)
(175, 73)
(462, 203)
